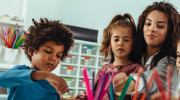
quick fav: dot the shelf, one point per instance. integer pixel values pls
(81, 88)
(4, 95)
(6, 66)
(71, 87)
(88, 55)
(61, 75)
(10, 22)
(73, 53)
(83, 77)
(86, 43)
(87, 66)
(68, 64)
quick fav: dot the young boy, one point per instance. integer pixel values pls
(47, 43)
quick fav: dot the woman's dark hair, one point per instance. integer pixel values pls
(45, 31)
(125, 20)
(168, 48)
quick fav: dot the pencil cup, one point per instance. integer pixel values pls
(1, 47)
(10, 54)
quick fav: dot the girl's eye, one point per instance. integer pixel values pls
(116, 39)
(47, 51)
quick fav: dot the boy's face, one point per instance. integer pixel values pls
(47, 57)
(178, 57)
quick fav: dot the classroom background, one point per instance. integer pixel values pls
(83, 15)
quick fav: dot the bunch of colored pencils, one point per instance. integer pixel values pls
(12, 37)
(103, 85)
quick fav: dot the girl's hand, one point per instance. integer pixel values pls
(120, 81)
(57, 82)
(81, 95)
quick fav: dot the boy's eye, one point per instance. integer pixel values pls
(126, 40)
(58, 56)
(47, 51)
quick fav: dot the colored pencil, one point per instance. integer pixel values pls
(90, 95)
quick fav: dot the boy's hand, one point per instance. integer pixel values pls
(57, 82)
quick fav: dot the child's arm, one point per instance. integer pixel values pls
(57, 82)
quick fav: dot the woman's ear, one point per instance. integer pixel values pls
(30, 51)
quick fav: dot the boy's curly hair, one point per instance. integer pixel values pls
(169, 47)
(45, 31)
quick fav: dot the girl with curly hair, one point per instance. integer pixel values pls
(158, 32)
(118, 42)
(47, 43)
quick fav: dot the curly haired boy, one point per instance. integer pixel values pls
(47, 43)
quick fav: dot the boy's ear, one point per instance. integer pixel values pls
(30, 52)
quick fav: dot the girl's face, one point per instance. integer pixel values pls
(178, 57)
(121, 42)
(155, 28)
(47, 57)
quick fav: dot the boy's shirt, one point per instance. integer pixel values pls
(20, 86)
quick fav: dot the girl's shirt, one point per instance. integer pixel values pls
(128, 69)
(161, 68)
(20, 86)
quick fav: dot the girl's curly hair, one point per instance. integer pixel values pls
(169, 46)
(45, 31)
(125, 20)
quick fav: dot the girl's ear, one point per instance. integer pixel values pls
(109, 45)
(30, 52)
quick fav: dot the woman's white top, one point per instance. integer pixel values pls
(161, 68)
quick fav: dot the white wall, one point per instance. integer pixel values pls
(93, 14)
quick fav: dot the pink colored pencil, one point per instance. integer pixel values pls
(90, 95)
(106, 87)
(159, 84)
(105, 82)
(110, 81)
(168, 82)
(99, 84)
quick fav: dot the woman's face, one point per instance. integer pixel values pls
(155, 28)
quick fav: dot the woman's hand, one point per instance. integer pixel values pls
(57, 82)
(120, 81)
(158, 96)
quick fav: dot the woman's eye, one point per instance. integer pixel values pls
(160, 26)
(47, 51)
(148, 24)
